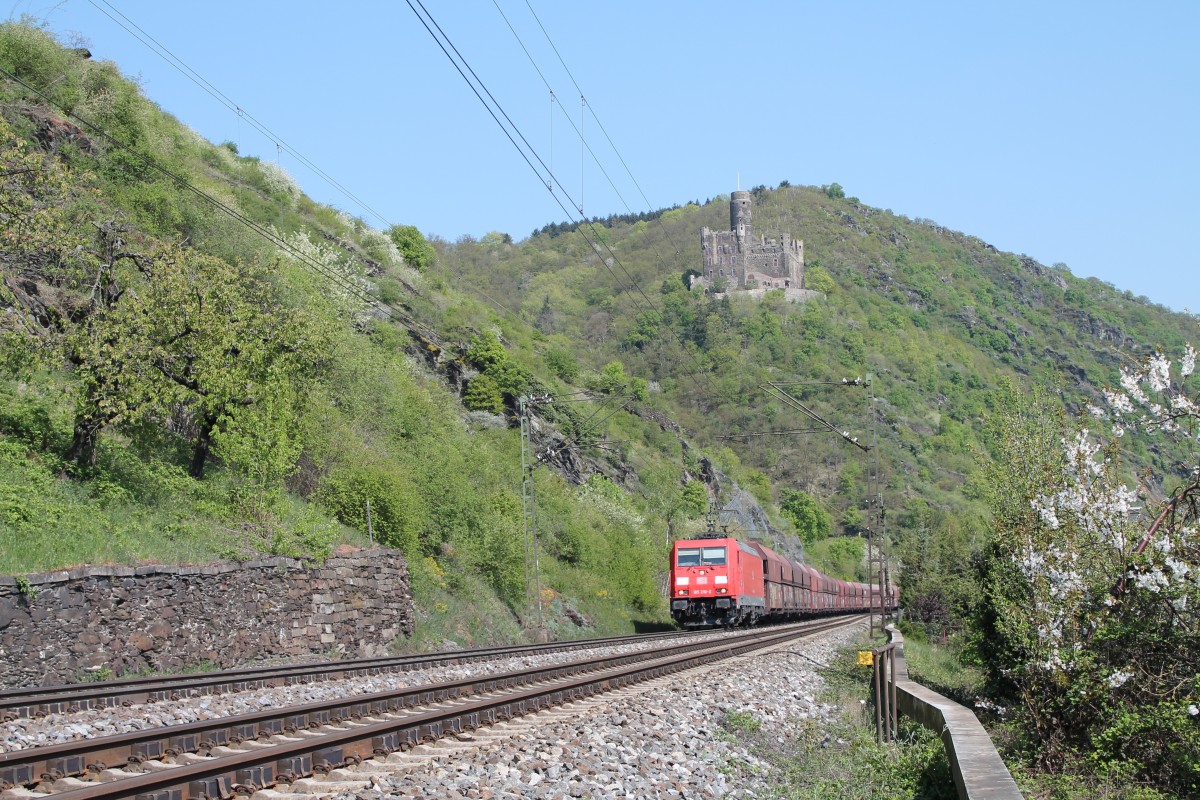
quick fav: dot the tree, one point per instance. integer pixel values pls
(694, 498)
(853, 521)
(489, 354)
(563, 364)
(817, 279)
(613, 378)
(834, 191)
(418, 253)
(1091, 610)
(810, 520)
(43, 245)
(193, 331)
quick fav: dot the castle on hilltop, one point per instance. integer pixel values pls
(738, 260)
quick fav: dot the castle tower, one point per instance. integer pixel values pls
(739, 216)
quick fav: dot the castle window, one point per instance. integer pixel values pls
(722, 273)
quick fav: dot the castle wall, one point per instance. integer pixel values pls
(746, 262)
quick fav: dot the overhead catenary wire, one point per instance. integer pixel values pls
(163, 52)
(579, 131)
(168, 56)
(187, 71)
(577, 128)
(773, 390)
(352, 288)
(529, 154)
(596, 117)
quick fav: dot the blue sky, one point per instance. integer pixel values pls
(1066, 131)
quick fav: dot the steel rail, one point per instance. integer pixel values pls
(40, 700)
(286, 761)
(78, 757)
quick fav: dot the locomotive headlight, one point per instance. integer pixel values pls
(721, 591)
(682, 592)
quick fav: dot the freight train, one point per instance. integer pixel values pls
(728, 582)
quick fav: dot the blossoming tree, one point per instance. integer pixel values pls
(1091, 609)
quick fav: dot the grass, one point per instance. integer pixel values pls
(453, 608)
(48, 524)
(839, 759)
(941, 668)
(1075, 786)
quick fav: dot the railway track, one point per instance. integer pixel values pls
(42, 700)
(279, 747)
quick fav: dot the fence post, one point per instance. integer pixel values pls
(894, 704)
(877, 681)
(370, 529)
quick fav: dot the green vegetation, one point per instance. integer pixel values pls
(230, 396)
(806, 515)
(840, 758)
(943, 667)
(417, 252)
(1088, 613)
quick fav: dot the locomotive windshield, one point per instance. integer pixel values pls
(701, 556)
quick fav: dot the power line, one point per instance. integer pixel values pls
(165, 53)
(600, 124)
(773, 390)
(579, 132)
(528, 152)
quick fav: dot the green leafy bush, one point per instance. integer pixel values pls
(397, 509)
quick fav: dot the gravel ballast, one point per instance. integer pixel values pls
(668, 738)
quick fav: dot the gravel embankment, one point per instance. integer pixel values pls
(92, 723)
(666, 739)
(669, 738)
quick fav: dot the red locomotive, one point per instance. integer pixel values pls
(727, 582)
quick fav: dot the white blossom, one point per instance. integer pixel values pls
(1044, 506)
(1158, 372)
(1179, 569)
(1132, 387)
(1193, 710)
(1121, 404)
(1153, 580)
(1181, 402)
(1187, 365)
(1118, 678)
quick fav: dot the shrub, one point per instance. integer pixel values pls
(397, 510)
(483, 394)
(418, 253)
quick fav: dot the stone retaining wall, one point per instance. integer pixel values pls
(59, 627)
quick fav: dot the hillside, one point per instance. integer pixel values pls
(942, 322)
(201, 362)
